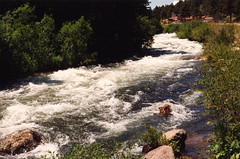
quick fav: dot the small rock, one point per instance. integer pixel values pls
(165, 110)
(162, 152)
(20, 142)
(177, 135)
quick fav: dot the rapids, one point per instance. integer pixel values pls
(114, 102)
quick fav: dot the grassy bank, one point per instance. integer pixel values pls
(220, 82)
(221, 87)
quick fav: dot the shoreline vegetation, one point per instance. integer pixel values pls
(29, 44)
(46, 36)
(220, 82)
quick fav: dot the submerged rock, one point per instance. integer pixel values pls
(162, 152)
(165, 110)
(20, 142)
(177, 135)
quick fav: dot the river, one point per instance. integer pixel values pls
(111, 102)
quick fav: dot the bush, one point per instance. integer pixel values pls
(200, 33)
(158, 27)
(29, 45)
(155, 139)
(171, 28)
(17, 33)
(74, 38)
(98, 150)
(145, 31)
(194, 30)
(221, 88)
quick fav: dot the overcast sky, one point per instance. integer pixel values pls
(155, 3)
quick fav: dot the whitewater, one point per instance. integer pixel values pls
(114, 102)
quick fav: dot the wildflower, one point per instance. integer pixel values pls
(209, 106)
(209, 122)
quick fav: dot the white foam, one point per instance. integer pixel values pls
(83, 90)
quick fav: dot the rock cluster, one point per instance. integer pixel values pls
(166, 152)
(20, 142)
(177, 135)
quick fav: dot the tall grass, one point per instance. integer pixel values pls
(221, 87)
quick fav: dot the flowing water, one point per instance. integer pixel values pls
(112, 102)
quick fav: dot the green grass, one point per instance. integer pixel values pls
(221, 87)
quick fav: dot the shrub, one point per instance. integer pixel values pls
(194, 30)
(74, 38)
(144, 31)
(155, 139)
(221, 88)
(200, 33)
(17, 33)
(158, 27)
(171, 28)
(29, 44)
(98, 150)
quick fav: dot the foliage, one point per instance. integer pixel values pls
(17, 33)
(146, 31)
(219, 9)
(74, 38)
(32, 41)
(156, 23)
(221, 88)
(194, 30)
(156, 139)
(98, 150)
(171, 28)
(28, 45)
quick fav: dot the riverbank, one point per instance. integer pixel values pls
(86, 104)
(220, 85)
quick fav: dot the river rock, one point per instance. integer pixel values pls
(162, 152)
(177, 135)
(20, 142)
(165, 110)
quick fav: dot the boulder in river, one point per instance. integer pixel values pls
(177, 135)
(162, 152)
(165, 110)
(20, 142)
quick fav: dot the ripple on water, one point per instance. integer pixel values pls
(86, 104)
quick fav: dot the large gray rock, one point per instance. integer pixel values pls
(177, 135)
(162, 152)
(20, 142)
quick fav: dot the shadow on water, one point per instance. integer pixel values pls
(155, 52)
(35, 79)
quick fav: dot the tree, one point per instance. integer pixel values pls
(236, 9)
(226, 7)
(74, 38)
(17, 33)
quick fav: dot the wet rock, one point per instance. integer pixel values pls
(177, 135)
(20, 142)
(165, 110)
(162, 152)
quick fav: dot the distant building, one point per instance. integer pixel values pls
(174, 19)
(208, 19)
(177, 19)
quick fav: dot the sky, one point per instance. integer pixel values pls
(155, 3)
